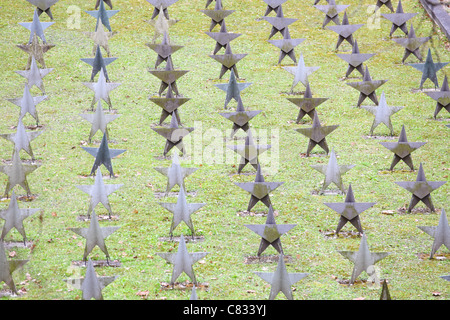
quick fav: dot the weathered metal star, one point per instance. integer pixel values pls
(398, 19)
(35, 50)
(100, 38)
(411, 44)
(287, 46)
(232, 88)
(440, 233)
(21, 139)
(367, 88)
(7, 267)
(273, 5)
(240, 117)
(101, 89)
(27, 103)
(108, 2)
(34, 75)
(99, 121)
(168, 76)
(102, 15)
(301, 72)
(174, 135)
(429, 69)
(228, 60)
(441, 97)
(345, 31)
(355, 59)
(164, 49)
(387, 3)
(43, 6)
(161, 5)
(217, 15)
(279, 23)
(161, 26)
(169, 105)
(223, 37)
(331, 11)
(98, 63)
(307, 104)
(36, 27)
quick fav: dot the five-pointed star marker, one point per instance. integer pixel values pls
(411, 44)
(102, 15)
(382, 114)
(429, 69)
(182, 261)
(259, 189)
(355, 59)
(273, 5)
(333, 172)
(43, 6)
(14, 217)
(17, 174)
(281, 280)
(350, 210)
(387, 3)
(441, 97)
(402, 149)
(175, 173)
(168, 76)
(331, 11)
(301, 72)
(345, 31)
(103, 155)
(317, 134)
(249, 152)
(233, 88)
(27, 103)
(270, 232)
(100, 38)
(240, 117)
(21, 139)
(99, 121)
(223, 37)
(385, 295)
(169, 105)
(398, 19)
(217, 15)
(161, 5)
(363, 259)
(99, 192)
(95, 236)
(307, 104)
(287, 46)
(34, 75)
(421, 189)
(228, 60)
(182, 211)
(7, 267)
(98, 63)
(164, 49)
(279, 23)
(161, 26)
(174, 135)
(108, 2)
(35, 49)
(36, 27)
(440, 233)
(101, 89)
(367, 88)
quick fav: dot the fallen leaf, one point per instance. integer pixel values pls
(436, 294)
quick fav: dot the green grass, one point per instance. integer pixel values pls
(142, 221)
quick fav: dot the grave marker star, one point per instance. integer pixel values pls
(279, 23)
(355, 59)
(28, 103)
(382, 114)
(217, 15)
(182, 261)
(270, 232)
(193, 294)
(411, 44)
(259, 189)
(223, 37)
(281, 280)
(174, 135)
(331, 11)
(363, 259)
(161, 26)
(161, 5)
(232, 88)
(99, 121)
(345, 31)
(301, 72)
(429, 69)
(35, 49)
(34, 75)
(240, 118)
(43, 6)
(350, 210)
(100, 38)
(421, 189)
(36, 27)
(333, 172)
(101, 89)
(228, 60)
(387, 3)
(164, 50)
(398, 19)
(7, 267)
(307, 104)
(169, 105)
(108, 2)
(249, 152)
(286, 46)
(168, 76)
(317, 134)
(98, 63)
(367, 88)
(446, 277)
(440, 233)
(441, 97)
(273, 5)
(102, 15)
(402, 149)
(385, 295)
(21, 139)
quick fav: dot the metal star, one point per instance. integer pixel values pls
(398, 19)
(270, 232)
(217, 15)
(402, 149)
(99, 121)
(259, 189)
(182, 211)
(355, 59)
(363, 259)
(345, 31)
(174, 135)
(441, 97)
(286, 46)
(164, 49)
(385, 295)
(273, 5)
(108, 2)
(446, 277)
(279, 23)
(43, 6)
(161, 5)
(228, 60)
(232, 88)
(169, 105)
(249, 152)
(17, 174)
(421, 189)
(95, 236)
(301, 72)
(367, 88)
(350, 210)
(429, 69)
(102, 15)
(100, 38)
(168, 76)
(99, 192)
(223, 37)
(21, 139)
(240, 117)
(161, 25)
(281, 280)
(14, 217)
(36, 27)
(28, 103)
(34, 75)
(7, 267)
(182, 261)
(193, 294)
(98, 63)
(331, 11)
(307, 104)
(333, 172)
(101, 89)
(411, 44)
(103, 155)
(35, 49)
(441, 234)
(386, 3)
(382, 114)
(317, 134)
(175, 174)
